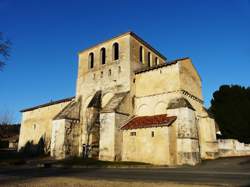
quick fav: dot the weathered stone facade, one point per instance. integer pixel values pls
(118, 80)
(36, 124)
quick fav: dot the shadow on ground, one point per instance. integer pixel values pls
(228, 171)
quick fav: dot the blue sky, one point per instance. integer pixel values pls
(47, 35)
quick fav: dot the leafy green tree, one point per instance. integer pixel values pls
(231, 109)
(4, 50)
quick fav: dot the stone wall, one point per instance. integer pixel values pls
(232, 147)
(114, 76)
(190, 80)
(58, 139)
(155, 88)
(110, 147)
(119, 121)
(154, 104)
(188, 151)
(135, 55)
(99, 77)
(110, 78)
(158, 81)
(65, 138)
(148, 92)
(207, 137)
(37, 124)
(107, 139)
(142, 147)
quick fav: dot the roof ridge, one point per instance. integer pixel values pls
(160, 65)
(123, 34)
(48, 104)
(149, 121)
(126, 122)
(120, 96)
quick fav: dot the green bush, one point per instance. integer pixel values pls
(4, 144)
(231, 109)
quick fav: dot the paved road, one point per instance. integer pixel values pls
(229, 171)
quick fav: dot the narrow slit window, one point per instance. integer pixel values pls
(109, 72)
(149, 59)
(156, 61)
(152, 134)
(91, 60)
(115, 51)
(132, 133)
(103, 55)
(119, 69)
(101, 74)
(141, 55)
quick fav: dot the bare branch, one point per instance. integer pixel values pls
(5, 46)
(6, 118)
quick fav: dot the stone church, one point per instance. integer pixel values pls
(131, 104)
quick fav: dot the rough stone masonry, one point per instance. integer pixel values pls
(131, 104)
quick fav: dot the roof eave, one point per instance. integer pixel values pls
(160, 65)
(47, 104)
(124, 34)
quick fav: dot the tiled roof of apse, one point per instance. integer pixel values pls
(149, 121)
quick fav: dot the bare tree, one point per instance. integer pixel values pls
(6, 118)
(5, 45)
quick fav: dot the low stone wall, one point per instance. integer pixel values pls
(231, 147)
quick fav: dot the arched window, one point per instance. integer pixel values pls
(91, 60)
(103, 55)
(156, 61)
(141, 55)
(115, 51)
(149, 59)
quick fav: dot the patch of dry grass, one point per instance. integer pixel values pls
(80, 161)
(75, 182)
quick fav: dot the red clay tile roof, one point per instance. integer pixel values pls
(149, 121)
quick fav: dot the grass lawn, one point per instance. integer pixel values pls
(89, 161)
(11, 157)
(72, 181)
